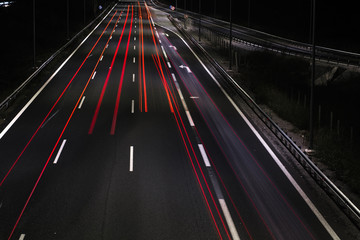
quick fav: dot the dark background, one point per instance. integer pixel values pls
(336, 22)
(16, 42)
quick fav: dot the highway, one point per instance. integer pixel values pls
(264, 41)
(133, 137)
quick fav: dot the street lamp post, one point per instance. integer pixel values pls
(199, 20)
(311, 142)
(67, 20)
(249, 12)
(34, 36)
(230, 47)
(214, 8)
(84, 12)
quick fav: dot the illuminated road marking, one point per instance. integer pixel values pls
(134, 47)
(101, 58)
(316, 212)
(110, 37)
(132, 106)
(131, 167)
(133, 77)
(229, 220)
(133, 59)
(134, 38)
(204, 156)
(187, 68)
(163, 50)
(81, 103)
(59, 152)
(93, 75)
(22, 237)
(173, 75)
(48, 81)
(108, 44)
(169, 65)
(190, 119)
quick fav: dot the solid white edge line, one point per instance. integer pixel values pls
(93, 75)
(190, 119)
(22, 237)
(48, 81)
(204, 156)
(131, 165)
(229, 220)
(81, 103)
(132, 106)
(276, 159)
(59, 152)
(133, 77)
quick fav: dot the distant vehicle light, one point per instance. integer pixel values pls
(6, 4)
(172, 7)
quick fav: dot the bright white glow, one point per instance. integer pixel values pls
(204, 156)
(229, 220)
(131, 167)
(59, 152)
(81, 103)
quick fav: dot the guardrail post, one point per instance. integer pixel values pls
(319, 115)
(236, 61)
(331, 121)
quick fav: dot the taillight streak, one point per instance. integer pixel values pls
(160, 67)
(223, 184)
(55, 104)
(248, 151)
(61, 134)
(93, 122)
(197, 161)
(113, 124)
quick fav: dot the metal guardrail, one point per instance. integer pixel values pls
(324, 182)
(5, 104)
(274, 43)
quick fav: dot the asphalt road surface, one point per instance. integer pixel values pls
(132, 138)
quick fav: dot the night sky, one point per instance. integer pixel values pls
(337, 22)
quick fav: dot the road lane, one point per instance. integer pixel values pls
(266, 189)
(47, 216)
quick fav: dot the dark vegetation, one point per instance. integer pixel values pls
(283, 84)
